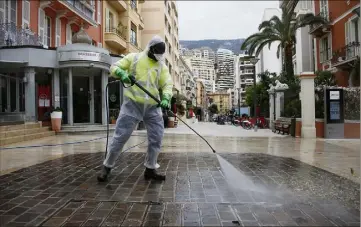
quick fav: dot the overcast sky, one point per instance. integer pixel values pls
(220, 19)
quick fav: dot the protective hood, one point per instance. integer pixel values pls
(154, 41)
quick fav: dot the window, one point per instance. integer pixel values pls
(9, 11)
(133, 34)
(352, 37)
(48, 31)
(325, 48)
(26, 14)
(111, 21)
(133, 4)
(324, 8)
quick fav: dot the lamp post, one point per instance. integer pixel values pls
(254, 62)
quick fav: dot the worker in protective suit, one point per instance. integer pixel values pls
(150, 71)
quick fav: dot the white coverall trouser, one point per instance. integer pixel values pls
(124, 128)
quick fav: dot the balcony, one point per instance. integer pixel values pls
(119, 5)
(247, 72)
(81, 8)
(11, 35)
(115, 38)
(133, 47)
(319, 30)
(344, 57)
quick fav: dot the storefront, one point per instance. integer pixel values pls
(72, 77)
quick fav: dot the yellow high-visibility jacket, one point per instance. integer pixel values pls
(152, 75)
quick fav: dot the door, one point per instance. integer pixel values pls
(81, 99)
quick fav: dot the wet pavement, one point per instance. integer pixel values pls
(262, 180)
(272, 191)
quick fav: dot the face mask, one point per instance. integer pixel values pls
(159, 57)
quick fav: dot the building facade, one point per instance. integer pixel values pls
(123, 26)
(51, 55)
(338, 43)
(201, 95)
(225, 69)
(161, 18)
(188, 83)
(222, 100)
(268, 56)
(244, 77)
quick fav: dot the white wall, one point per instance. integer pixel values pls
(304, 55)
(268, 57)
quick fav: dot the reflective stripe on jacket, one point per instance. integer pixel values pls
(150, 74)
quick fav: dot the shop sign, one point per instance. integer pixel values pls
(83, 56)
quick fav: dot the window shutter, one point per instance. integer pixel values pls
(99, 11)
(347, 38)
(68, 34)
(107, 18)
(321, 49)
(26, 14)
(57, 32)
(2, 12)
(329, 47)
(41, 26)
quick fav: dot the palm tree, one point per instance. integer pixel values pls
(282, 30)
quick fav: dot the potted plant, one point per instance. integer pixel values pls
(113, 120)
(56, 116)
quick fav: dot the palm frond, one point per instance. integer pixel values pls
(264, 24)
(279, 48)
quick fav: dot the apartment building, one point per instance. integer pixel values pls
(201, 100)
(161, 18)
(244, 77)
(51, 55)
(222, 100)
(268, 56)
(225, 69)
(201, 61)
(337, 43)
(123, 26)
(188, 83)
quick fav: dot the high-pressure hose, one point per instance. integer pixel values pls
(132, 78)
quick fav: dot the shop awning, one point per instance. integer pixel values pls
(12, 64)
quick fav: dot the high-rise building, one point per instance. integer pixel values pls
(202, 66)
(161, 18)
(225, 69)
(245, 71)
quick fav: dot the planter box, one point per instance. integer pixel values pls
(56, 121)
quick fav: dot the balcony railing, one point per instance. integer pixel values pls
(117, 31)
(326, 15)
(346, 53)
(81, 8)
(11, 35)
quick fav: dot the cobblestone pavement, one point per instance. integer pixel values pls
(276, 191)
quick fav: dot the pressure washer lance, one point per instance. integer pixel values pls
(133, 81)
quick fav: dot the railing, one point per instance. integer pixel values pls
(81, 8)
(11, 35)
(120, 33)
(347, 52)
(326, 15)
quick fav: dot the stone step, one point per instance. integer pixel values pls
(14, 133)
(20, 127)
(22, 138)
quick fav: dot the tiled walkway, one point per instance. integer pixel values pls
(263, 180)
(275, 191)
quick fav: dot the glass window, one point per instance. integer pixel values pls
(21, 96)
(133, 34)
(64, 81)
(48, 33)
(133, 4)
(3, 94)
(13, 95)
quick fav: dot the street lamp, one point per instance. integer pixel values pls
(254, 62)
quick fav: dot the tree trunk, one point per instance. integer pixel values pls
(288, 62)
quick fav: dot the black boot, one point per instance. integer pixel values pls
(152, 174)
(103, 176)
